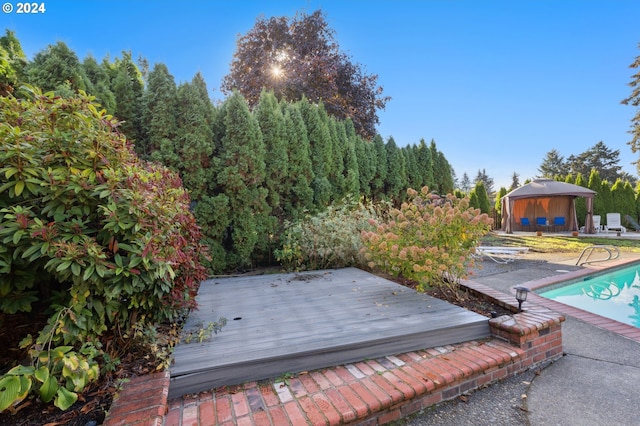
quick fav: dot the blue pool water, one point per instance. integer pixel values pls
(614, 294)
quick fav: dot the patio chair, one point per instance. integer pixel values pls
(558, 221)
(501, 254)
(524, 222)
(596, 223)
(614, 222)
(541, 222)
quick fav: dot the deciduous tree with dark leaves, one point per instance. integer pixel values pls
(300, 57)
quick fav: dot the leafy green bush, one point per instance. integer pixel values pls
(87, 229)
(426, 240)
(330, 239)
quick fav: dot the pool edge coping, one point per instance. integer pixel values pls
(605, 323)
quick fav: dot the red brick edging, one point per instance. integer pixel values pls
(368, 392)
(141, 402)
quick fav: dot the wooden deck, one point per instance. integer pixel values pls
(287, 323)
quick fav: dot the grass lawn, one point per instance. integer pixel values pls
(558, 244)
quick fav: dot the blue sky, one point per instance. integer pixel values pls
(497, 84)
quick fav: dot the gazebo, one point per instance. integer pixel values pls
(546, 198)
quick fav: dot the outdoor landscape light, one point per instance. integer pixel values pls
(521, 296)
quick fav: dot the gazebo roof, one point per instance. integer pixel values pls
(549, 188)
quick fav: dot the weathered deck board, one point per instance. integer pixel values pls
(301, 321)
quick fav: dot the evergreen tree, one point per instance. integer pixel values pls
(394, 184)
(320, 144)
(552, 165)
(606, 199)
(194, 137)
(465, 183)
(424, 162)
(414, 177)
(241, 178)
(100, 82)
(272, 126)
(57, 68)
(127, 87)
(159, 118)
(515, 181)
(599, 157)
(380, 155)
(637, 213)
(483, 198)
(595, 184)
(366, 168)
(498, 204)
(486, 180)
(474, 201)
(300, 197)
(338, 152)
(581, 203)
(634, 101)
(351, 171)
(623, 200)
(441, 171)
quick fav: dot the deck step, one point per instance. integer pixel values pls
(287, 323)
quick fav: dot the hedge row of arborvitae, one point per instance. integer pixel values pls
(247, 171)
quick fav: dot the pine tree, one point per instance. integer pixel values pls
(553, 165)
(465, 183)
(515, 181)
(634, 101)
(486, 180)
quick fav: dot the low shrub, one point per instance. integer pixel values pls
(329, 239)
(429, 239)
(90, 234)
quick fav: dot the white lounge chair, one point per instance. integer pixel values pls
(614, 223)
(596, 222)
(501, 254)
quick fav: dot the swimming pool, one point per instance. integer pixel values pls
(613, 294)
